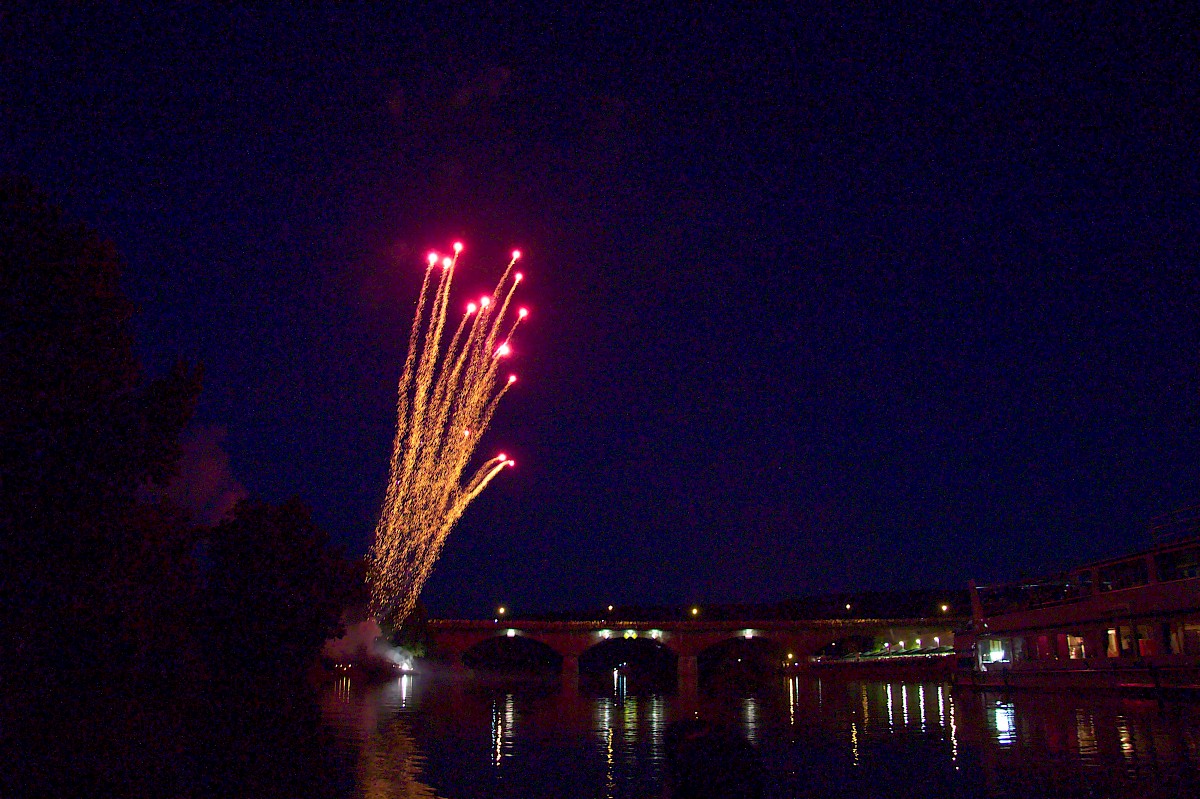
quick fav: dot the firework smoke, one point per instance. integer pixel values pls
(447, 396)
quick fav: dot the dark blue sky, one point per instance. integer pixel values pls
(820, 302)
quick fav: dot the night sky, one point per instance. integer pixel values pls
(819, 302)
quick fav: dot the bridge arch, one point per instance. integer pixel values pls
(512, 654)
(644, 662)
(742, 659)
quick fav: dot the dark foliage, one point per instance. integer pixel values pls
(85, 586)
(119, 649)
(82, 430)
(274, 591)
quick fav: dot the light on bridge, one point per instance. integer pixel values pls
(511, 633)
(945, 608)
(695, 611)
(631, 633)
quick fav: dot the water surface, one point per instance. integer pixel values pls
(418, 737)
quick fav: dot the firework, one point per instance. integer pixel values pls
(448, 393)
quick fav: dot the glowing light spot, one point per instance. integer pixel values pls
(472, 307)
(503, 350)
(510, 462)
(522, 313)
(485, 302)
(501, 457)
(518, 277)
(458, 246)
(512, 379)
(432, 258)
(447, 262)
(516, 254)
(466, 432)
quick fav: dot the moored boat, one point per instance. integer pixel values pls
(1130, 623)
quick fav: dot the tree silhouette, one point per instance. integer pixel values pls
(84, 431)
(275, 590)
(128, 636)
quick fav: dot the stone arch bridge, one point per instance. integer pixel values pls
(800, 640)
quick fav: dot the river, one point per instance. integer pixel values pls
(420, 737)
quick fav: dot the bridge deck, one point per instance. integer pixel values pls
(688, 625)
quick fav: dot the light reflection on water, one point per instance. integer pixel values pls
(414, 738)
(749, 718)
(504, 720)
(1002, 718)
(390, 761)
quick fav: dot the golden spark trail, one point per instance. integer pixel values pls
(446, 398)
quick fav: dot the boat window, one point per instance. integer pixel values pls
(1178, 565)
(1083, 582)
(1126, 574)
(1127, 640)
(1190, 639)
(1014, 597)
(997, 651)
